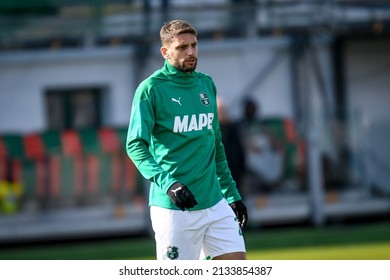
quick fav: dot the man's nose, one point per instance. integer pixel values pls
(191, 50)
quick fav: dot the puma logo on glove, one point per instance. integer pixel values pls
(181, 196)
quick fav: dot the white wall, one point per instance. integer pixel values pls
(24, 77)
(233, 65)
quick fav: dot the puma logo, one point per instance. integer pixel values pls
(174, 191)
(177, 100)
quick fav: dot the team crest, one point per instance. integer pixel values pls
(204, 98)
(172, 252)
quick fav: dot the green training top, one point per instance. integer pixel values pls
(174, 136)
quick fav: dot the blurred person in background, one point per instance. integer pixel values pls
(232, 142)
(264, 153)
(174, 139)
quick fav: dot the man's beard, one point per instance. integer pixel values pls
(188, 67)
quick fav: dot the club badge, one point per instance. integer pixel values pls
(204, 98)
(172, 252)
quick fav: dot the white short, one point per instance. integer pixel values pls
(193, 235)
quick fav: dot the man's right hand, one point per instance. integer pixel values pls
(181, 196)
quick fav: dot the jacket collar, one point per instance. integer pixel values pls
(179, 76)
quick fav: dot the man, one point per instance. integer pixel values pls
(174, 140)
(263, 150)
(234, 147)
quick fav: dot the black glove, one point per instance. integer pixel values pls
(181, 196)
(239, 209)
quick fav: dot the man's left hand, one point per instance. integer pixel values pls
(241, 212)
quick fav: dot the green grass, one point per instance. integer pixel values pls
(371, 251)
(369, 241)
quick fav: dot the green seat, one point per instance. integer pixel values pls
(52, 142)
(29, 179)
(122, 136)
(90, 141)
(14, 145)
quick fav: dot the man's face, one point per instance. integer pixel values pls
(182, 52)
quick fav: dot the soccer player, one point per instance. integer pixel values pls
(174, 140)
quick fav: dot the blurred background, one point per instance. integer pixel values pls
(304, 88)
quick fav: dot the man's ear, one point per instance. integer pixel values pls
(164, 52)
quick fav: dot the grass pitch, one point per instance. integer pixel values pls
(346, 242)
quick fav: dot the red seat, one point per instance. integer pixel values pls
(3, 151)
(71, 143)
(109, 141)
(34, 149)
(33, 146)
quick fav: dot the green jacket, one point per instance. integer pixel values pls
(174, 136)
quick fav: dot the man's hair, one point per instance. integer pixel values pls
(173, 28)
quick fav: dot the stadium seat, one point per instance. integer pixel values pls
(35, 166)
(52, 142)
(98, 164)
(14, 145)
(33, 146)
(131, 174)
(3, 156)
(72, 166)
(11, 189)
(71, 143)
(3, 152)
(109, 140)
(109, 143)
(14, 151)
(89, 141)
